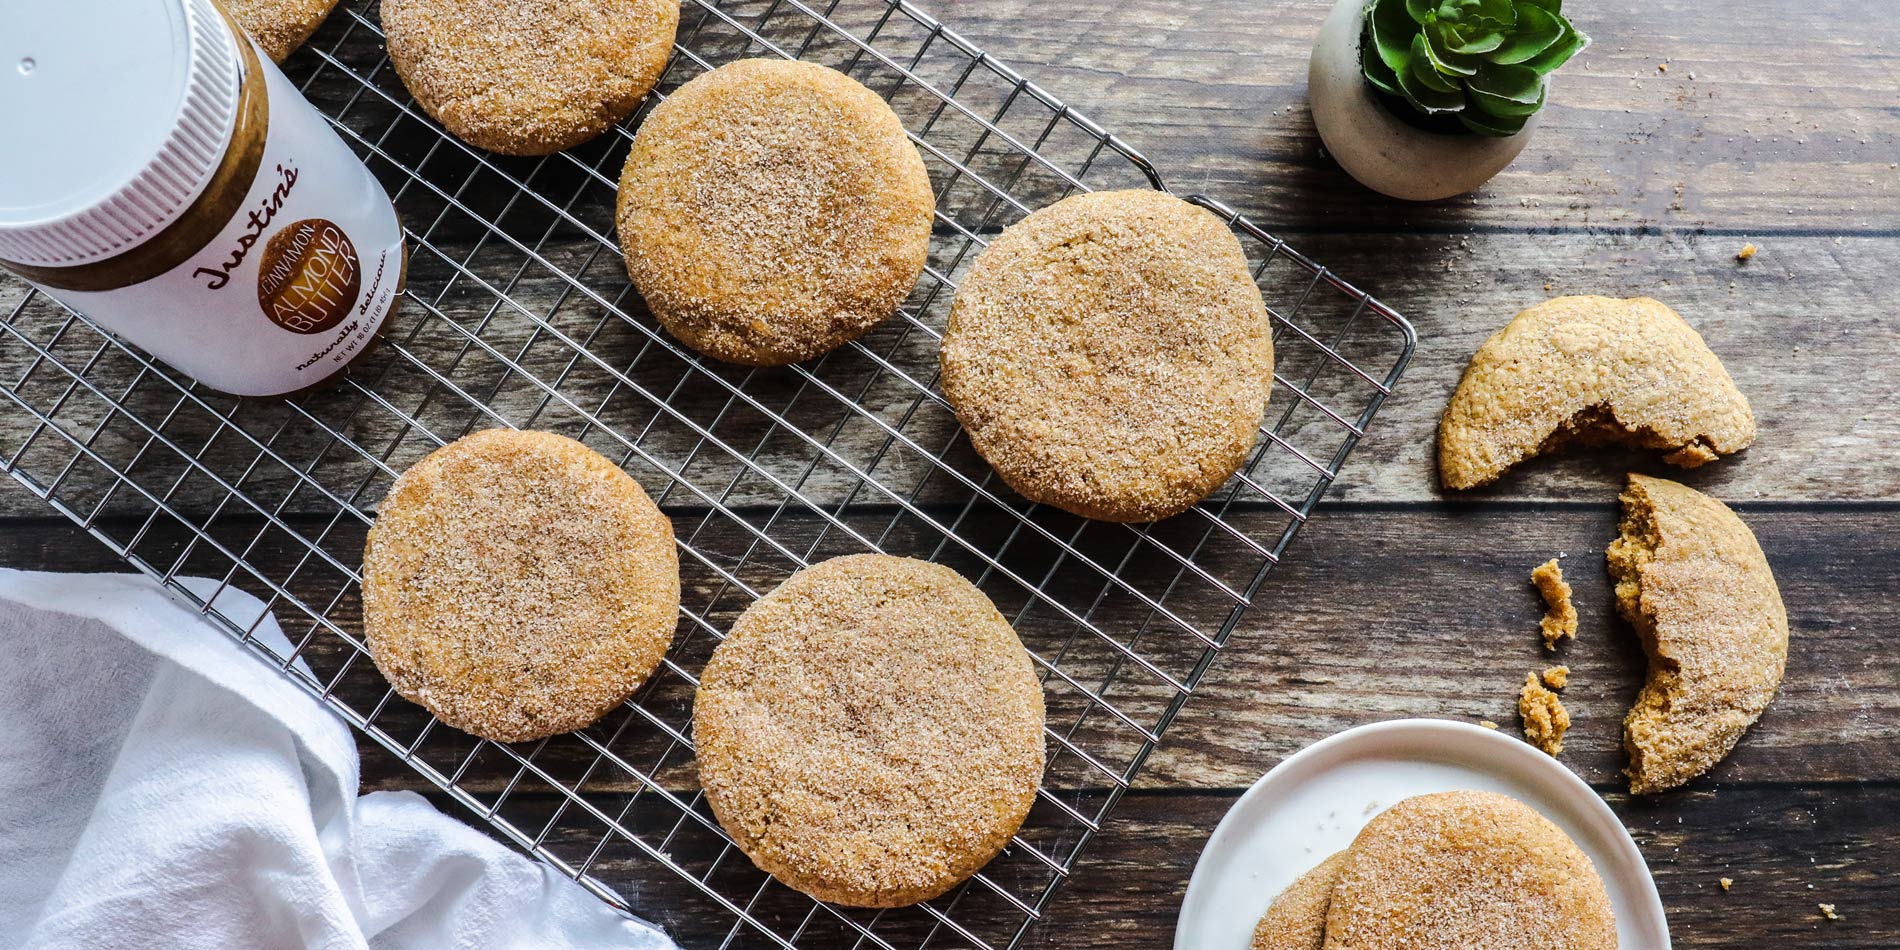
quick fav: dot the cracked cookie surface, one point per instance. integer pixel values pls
(279, 26)
(771, 211)
(529, 78)
(1590, 370)
(1693, 581)
(1467, 871)
(871, 731)
(518, 585)
(1111, 355)
(1297, 918)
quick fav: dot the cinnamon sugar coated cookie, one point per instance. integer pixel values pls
(1110, 355)
(518, 585)
(1297, 918)
(1692, 580)
(279, 26)
(1467, 871)
(529, 78)
(773, 210)
(1590, 369)
(870, 732)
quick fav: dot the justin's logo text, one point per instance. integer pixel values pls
(255, 225)
(309, 277)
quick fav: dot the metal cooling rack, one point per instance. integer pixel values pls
(518, 313)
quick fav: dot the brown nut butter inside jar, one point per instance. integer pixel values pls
(166, 180)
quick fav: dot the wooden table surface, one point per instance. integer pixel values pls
(1687, 130)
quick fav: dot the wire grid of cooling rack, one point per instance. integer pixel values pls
(518, 313)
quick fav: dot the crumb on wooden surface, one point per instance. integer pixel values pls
(1545, 719)
(1827, 910)
(1557, 677)
(1488, 724)
(1560, 615)
(1747, 251)
(1727, 883)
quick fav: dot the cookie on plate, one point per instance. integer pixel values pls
(1692, 580)
(773, 210)
(1297, 918)
(518, 585)
(1110, 355)
(529, 78)
(870, 732)
(1590, 369)
(1467, 871)
(279, 26)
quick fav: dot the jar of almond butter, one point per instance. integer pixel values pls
(165, 179)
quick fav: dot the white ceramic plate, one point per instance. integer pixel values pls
(1315, 802)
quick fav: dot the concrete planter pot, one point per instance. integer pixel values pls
(1378, 148)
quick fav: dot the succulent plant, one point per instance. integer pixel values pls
(1484, 62)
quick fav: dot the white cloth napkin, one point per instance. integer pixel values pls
(160, 788)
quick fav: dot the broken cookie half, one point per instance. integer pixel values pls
(1590, 370)
(1693, 581)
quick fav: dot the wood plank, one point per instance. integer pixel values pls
(1382, 612)
(1740, 134)
(1804, 317)
(1377, 613)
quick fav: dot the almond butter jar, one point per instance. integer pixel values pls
(162, 177)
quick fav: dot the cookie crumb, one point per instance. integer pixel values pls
(1557, 677)
(1488, 724)
(1662, 67)
(1747, 251)
(1827, 910)
(1727, 883)
(1545, 719)
(1560, 615)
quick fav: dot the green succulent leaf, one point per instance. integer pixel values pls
(1472, 43)
(1482, 60)
(1516, 83)
(1504, 108)
(1559, 53)
(1392, 33)
(1537, 31)
(1425, 72)
(1424, 98)
(1485, 124)
(1498, 15)
(1376, 71)
(1429, 43)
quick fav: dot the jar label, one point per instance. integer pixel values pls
(309, 277)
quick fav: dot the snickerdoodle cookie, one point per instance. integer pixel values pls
(1467, 871)
(279, 26)
(773, 210)
(1297, 918)
(1590, 369)
(1110, 355)
(870, 732)
(529, 78)
(1695, 584)
(518, 585)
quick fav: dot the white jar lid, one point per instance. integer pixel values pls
(117, 113)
